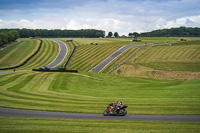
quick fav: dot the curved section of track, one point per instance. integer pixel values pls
(45, 114)
(61, 55)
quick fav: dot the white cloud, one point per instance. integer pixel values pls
(191, 21)
(160, 23)
(110, 15)
(74, 24)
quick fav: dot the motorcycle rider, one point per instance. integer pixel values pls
(113, 107)
(119, 104)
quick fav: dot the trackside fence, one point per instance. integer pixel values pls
(69, 57)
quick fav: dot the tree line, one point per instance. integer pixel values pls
(8, 36)
(24, 33)
(173, 32)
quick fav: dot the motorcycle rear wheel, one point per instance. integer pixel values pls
(105, 113)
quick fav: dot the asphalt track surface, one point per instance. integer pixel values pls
(113, 56)
(61, 55)
(46, 114)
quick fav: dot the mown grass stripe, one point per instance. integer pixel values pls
(11, 79)
(97, 58)
(38, 59)
(23, 56)
(45, 56)
(91, 55)
(26, 92)
(35, 59)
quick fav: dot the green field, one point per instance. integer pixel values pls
(32, 125)
(54, 91)
(16, 54)
(85, 92)
(91, 93)
(88, 56)
(48, 52)
(174, 60)
(178, 57)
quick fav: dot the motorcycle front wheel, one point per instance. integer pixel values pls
(122, 112)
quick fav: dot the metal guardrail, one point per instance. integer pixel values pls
(69, 57)
(55, 70)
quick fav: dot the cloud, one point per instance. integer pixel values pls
(191, 21)
(122, 16)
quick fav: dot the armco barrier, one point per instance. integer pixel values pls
(55, 70)
(69, 57)
(25, 60)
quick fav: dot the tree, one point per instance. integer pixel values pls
(116, 34)
(11, 37)
(135, 34)
(15, 34)
(130, 34)
(55, 33)
(98, 34)
(110, 34)
(1, 42)
(4, 37)
(8, 36)
(123, 36)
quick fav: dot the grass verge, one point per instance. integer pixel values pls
(32, 125)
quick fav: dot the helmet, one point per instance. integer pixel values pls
(119, 101)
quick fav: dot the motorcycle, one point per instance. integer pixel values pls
(112, 110)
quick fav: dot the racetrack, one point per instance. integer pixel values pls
(113, 56)
(44, 114)
(61, 55)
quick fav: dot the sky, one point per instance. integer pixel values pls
(122, 16)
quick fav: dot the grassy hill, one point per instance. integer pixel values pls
(16, 54)
(181, 56)
(91, 93)
(48, 52)
(87, 56)
(86, 92)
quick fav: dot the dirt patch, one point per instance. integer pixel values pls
(181, 75)
(141, 71)
(133, 71)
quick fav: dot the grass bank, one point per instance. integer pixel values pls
(16, 54)
(87, 56)
(48, 52)
(32, 125)
(91, 93)
(165, 61)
